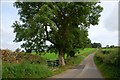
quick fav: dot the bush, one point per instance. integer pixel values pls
(108, 71)
(105, 51)
(112, 57)
(109, 65)
(25, 70)
(99, 56)
(109, 57)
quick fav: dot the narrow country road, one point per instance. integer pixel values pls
(87, 69)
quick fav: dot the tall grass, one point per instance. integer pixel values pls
(25, 70)
(32, 66)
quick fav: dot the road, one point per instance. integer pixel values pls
(87, 69)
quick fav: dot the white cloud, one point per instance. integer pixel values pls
(102, 35)
(107, 30)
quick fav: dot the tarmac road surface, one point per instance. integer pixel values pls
(87, 69)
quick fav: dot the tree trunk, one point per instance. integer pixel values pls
(61, 58)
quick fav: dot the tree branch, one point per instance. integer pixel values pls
(55, 21)
(47, 36)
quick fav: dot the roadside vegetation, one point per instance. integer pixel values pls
(25, 70)
(24, 65)
(108, 61)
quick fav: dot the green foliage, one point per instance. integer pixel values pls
(23, 65)
(100, 56)
(54, 56)
(112, 46)
(59, 17)
(96, 45)
(88, 43)
(79, 57)
(63, 24)
(112, 57)
(105, 51)
(108, 63)
(108, 71)
(32, 69)
(25, 70)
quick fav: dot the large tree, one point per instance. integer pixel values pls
(63, 24)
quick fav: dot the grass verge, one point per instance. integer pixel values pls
(22, 65)
(108, 71)
(33, 66)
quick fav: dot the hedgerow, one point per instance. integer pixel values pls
(108, 63)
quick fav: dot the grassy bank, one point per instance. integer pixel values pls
(23, 65)
(25, 70)
(108, 63)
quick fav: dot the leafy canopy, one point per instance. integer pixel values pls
(64, 24)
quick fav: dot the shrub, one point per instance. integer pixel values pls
(105, 51)
(110, 65)
(25, 70)
(99, 56)
(112, 57)
(109, 57)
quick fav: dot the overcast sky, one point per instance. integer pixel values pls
(105, 33)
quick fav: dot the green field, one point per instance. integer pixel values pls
(84, 50)
(54, 56)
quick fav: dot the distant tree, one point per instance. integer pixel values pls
(96, 45)
(17, 50)
(107, 46)
(112, 46)
(64, 24)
